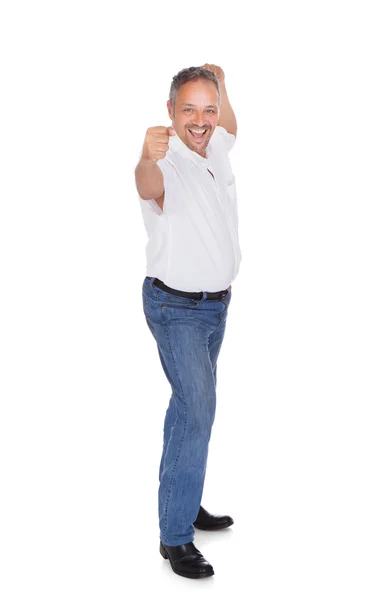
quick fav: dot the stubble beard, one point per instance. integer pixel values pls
(198, 148)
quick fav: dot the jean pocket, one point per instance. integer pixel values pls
(179, 302)
(168, 299)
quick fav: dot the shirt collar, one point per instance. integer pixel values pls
(177, 145)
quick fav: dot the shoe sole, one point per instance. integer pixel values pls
(165, 555)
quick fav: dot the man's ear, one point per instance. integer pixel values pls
(169, 107)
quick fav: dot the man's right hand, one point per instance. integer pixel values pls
(156, 143)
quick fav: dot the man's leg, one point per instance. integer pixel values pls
(189, 422)
(170, 418)
(182, 332)
(214, 345)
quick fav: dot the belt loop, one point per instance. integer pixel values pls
(152, 280)
(204, 297)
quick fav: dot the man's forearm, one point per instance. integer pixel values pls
(227, 117)
(149, 180)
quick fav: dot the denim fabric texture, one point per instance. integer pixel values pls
(189, 335)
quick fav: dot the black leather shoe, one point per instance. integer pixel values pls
(186, 560)
(209, 522)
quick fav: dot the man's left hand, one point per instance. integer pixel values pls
(217, 70)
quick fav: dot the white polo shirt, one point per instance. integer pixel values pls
(193, 242)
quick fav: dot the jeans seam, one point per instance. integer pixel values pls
(181, 441)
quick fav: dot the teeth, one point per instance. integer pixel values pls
(198, 130)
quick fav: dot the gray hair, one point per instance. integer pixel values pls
(191, 74)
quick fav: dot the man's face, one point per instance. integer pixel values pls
(196, 108)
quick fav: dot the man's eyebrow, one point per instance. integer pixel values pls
(208, 105)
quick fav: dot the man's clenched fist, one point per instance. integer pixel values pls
(156, 143)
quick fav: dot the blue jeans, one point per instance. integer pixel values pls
(189, 335)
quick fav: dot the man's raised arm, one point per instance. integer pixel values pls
(149, 178)
(227, 117)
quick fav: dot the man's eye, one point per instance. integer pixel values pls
(188, 109)
(210, 110)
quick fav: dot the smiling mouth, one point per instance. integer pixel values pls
(197, 136)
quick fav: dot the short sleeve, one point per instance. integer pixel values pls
(226, 138)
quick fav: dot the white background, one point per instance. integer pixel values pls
(298, 450)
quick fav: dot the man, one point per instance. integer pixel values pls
(187, 194)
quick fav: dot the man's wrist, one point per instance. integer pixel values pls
(146, 161)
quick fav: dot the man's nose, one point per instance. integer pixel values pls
(200, 118)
